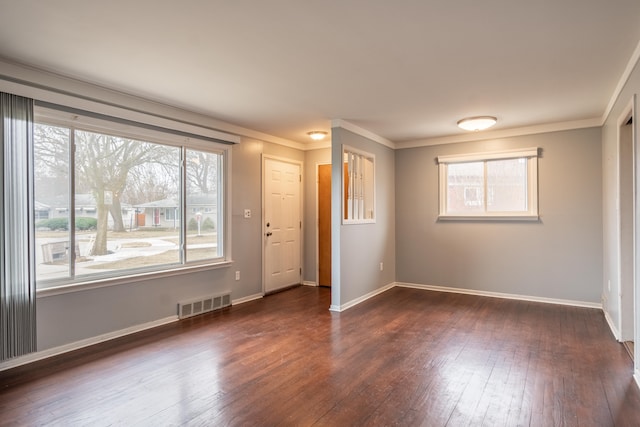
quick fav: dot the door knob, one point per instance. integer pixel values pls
(269, 234)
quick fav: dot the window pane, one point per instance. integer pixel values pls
(465, 187)
(134, 210)
(52, 236)
(122, 190)
(204, 205)
(359, 177)
(507, 185)
(368, 187)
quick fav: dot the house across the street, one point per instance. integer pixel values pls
(166, 213)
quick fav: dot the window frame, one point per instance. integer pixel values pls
(346, 220)
(529, 154)
(86, 121)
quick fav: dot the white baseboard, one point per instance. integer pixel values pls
(246, 299)
(612, 326)
(33, 357)
(501, 295)
(358, 300)
(308, 283)
(39, 355)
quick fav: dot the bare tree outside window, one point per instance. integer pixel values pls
(127, 204)
(106, 164)
(203, 205)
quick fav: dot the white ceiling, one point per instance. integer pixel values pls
(406, 70)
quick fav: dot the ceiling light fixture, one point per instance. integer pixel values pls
(477, 123)
(317, 135)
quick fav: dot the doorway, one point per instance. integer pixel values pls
(626, 202)
(324, 225)
(282, 224)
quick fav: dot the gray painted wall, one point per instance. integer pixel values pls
(559, 257)
(63, 319)
(67, 318)
(355, 267)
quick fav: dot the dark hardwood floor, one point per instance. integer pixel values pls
(405, 357)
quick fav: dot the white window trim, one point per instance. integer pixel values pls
(532, 214)
(94, 124)
(97, 282)
(346, 221)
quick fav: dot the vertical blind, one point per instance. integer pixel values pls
(18, 288)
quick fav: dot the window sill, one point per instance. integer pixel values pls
(114, 281)
(483, 218)
(358, 221)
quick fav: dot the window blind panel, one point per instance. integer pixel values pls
(17, 290)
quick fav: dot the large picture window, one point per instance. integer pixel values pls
(115, 201)
(497, 185)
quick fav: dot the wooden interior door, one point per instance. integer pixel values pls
(324, 225)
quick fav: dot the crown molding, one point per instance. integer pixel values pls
(339, 123)
(472, 136)
(506, 133)
(54, 87)
(633, 61)
(502, 133)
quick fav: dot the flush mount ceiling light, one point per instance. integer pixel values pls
(477, 123)
(317, 135)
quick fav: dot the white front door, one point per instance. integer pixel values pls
(282, 224)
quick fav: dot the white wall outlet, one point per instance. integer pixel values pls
(237, 275)
(247, 214)
(381, 266)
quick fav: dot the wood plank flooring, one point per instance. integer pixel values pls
(406, 357)
(628, 345)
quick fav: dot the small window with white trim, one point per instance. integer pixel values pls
(499, 185)
(359, 186)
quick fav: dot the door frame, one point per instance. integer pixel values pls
(627, 321)
(263, 227)
(318, 164)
